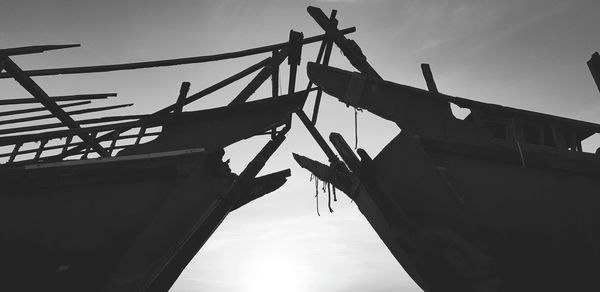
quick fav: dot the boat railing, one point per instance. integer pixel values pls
(103, 137)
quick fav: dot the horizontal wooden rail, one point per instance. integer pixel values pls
(171, 62)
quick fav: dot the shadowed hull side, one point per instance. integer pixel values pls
(69, 236)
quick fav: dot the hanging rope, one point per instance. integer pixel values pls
(334, 196)
(356, 110)
(316, 191)
(329, 197)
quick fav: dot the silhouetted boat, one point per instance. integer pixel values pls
(125, 204)
(502, 200)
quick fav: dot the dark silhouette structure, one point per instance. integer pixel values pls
(502, 200)
(123, 203)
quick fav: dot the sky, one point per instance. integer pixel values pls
(527, 54)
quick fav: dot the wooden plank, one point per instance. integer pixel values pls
(170, 62)
(71, 113)
(350, 49)
(260, 78)
(429, 78)
(75, 97)
(43, 98)
(35, 49)
(40, 109)
(594, 66)
(78, 131)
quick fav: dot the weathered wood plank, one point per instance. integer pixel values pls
(170, 62)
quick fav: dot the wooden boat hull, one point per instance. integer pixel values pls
(462, 211)
(132, 222)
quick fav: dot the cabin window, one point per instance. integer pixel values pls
(532, 134)
(498, 129)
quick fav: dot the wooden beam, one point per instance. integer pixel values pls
(260, 78)
(594, 66)
(78, 131)
(58, 98)
(429, 78)
(34, 49)
(350, 49)
(170, 62)
(45, 100)
(76, 112)
(40, 109)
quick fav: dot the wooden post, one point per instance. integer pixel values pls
(183, 91)
(328, 48)
(429, 78)
(275, 79)
(594, 66)
(15, 151)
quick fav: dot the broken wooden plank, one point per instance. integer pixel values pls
(40, 109)
(71, 113)
(170, 62)
(350, 49)
(35, 49)
(37, 92)
(594, 66)
(78, 131)
(429, 78)
(75, 97)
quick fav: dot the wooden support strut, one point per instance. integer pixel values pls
(187, 101)
(261, 77)
(328, 46)
(171, 62)
(317, 136)
(45, 100)
(183, 92)
(429, 78)
(350, 49)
